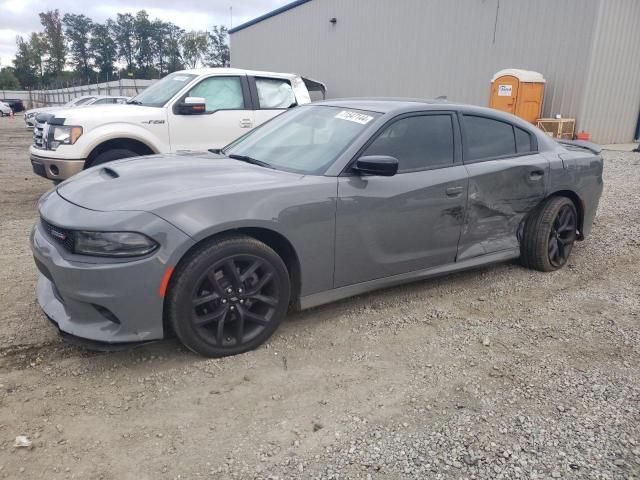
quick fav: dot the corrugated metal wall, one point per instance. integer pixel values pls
(612, 97)
(427, 48)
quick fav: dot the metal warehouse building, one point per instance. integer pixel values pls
(588, 51)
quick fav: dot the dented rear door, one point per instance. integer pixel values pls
(503, 189)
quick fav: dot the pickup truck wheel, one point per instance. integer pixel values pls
(228, 296)
(111, 155)
(549, 235)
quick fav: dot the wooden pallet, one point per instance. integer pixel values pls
(557, 127)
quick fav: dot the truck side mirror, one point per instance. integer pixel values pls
(192, 106)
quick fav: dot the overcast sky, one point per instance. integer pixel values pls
(20, 17)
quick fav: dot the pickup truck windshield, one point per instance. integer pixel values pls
(306, 140)
(158, 94)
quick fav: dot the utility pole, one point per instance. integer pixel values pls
(230, 17)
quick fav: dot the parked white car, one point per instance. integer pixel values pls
(190, 110)
(30, 115)
(5, 110)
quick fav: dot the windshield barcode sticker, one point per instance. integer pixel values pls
(354, 117)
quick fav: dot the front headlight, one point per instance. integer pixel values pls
(112, 244)
(63, 135)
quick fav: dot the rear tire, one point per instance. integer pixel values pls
(228, 296)
(111, 155)
(549, 235)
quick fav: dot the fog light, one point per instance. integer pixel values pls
(54, 170)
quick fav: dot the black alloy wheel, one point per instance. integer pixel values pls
(561, 236)
(228, 296)
(549, 234)
(235, 300)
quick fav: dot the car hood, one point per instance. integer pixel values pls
(41, 109)
(108, 113)
(152, 182)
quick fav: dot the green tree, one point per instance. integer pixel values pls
(29, 61)
(8, 80)
(78, 32)
(54, 40)
(194, 48)
(218, 54)
(173, 50)
(104, 48)
(144, 44)
(124, 32)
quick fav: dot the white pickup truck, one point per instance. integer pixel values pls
(190, 110)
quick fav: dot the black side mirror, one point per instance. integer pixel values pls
(192, 106)
(381, 165)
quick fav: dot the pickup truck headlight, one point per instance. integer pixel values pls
(112, 244)
(63, 135)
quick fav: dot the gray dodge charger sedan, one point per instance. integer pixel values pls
(323, 202)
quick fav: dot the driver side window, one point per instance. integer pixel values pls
(220, 93)
(420, 142)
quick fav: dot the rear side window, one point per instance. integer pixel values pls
(487, 138)
(275, 93)
(419, 143)
(523, 140)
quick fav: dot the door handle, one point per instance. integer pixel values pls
(454, 191)
(245, 123)
(536, 174)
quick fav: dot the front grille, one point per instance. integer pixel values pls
(38, 138)
(40, 133)
(60, 235)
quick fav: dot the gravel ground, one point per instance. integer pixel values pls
(495, 373)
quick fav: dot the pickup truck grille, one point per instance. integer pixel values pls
(60, 235)
(40, 133)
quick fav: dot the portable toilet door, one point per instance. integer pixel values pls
(519, 92)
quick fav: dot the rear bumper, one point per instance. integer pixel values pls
(55, 169)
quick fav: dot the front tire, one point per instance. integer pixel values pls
(549, 235)
(111, 155)
(228, 297)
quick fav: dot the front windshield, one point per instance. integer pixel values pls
(158, 94)
(78, 101)
(305, 140)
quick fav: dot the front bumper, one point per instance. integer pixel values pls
(103, 300)
(54, 168)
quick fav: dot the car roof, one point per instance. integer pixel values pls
(396, 106)
(236, 71)
(383, 104)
